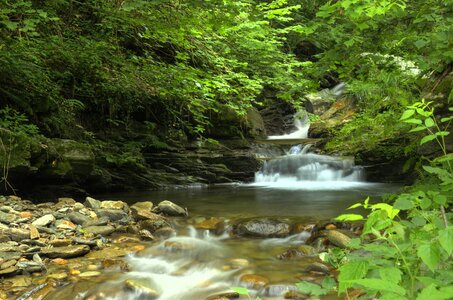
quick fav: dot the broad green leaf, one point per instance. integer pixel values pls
(413, 121)
(427, 138)
(349, 272)
(403, 204)
(446, 119)
(355, 206)
(311, 288)
(349, 217)
(429, 122)
(425, 203)
(380, 285)
(430, 254)
(328, 283)
(416, 129)
(391, 296)
(392, 274)
(240, 290)
(407, 114)
(440, 199)
(446, 239)
(431, 292)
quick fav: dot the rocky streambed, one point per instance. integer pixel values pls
(105, 249)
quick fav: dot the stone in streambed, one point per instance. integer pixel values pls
(18, 234)
(253, 281)
(10, 255)
(263, 227)
(141, 289)
(99, 230)
(78, 218)
(223, 295)
(170, 209)
(44, 220)
(338, 239)
(34, 233)
(7, 218)
(65, 252)
(9, 271)
(112, 214)
(119, 205)
(92, 203)
(142, 211)
(209, 224)
(317, 268)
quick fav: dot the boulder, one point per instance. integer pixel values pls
(108, 204)
(44, 220)
(253, 281)
(100, 230)
(142, 211)
(65, 252)
(92, 203)
(263, 227)
(338, 239)
(153, 225)
(112, 214)
(170, 209)
(78, 218)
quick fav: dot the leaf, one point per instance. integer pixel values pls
(311, 288)
(425, 203)
(403, 204)
(407, 114)
(392, 274)
(431, 292)
(349, 217)
(416, 129)
(355, 206)
(380, 285)
(427, 138)
(429, 254)
(446, 119)
(240, 290)
(429, 122)
(351, 271)
(413, 121)
(328, 283)
(446, 239)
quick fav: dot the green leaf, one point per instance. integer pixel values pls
(416, 129)
(446, 119)
(413, 121)
(380, 285)
(425, 203)
(349, 272)
(349, 217)
(429, 254)
(328, 283)
(392, 274)
(311, 288)
(446, 239)
(355, 206)
(407, 114)
(431, 292)
(240, 290)
(427, 138)
(429, 122)
(403, 204)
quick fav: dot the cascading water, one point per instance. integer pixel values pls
(302, 125)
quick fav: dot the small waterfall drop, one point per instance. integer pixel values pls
(302, 125)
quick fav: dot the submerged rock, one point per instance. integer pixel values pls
(263, 227)
(253, 281)
(65, 252)
(100, 230)
(141, 289)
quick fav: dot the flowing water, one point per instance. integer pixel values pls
(299, 188)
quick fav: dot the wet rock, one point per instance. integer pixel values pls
(20, 281)
(317, 268)
(120, 205)
(46, 230)
(34, 233)
(25, 215)
(338, 239)
(89, 274)
(7, 264)
(7, 218)
(277, 290)
(307, 250)
(153, 225)
(60, 242)
(65, 202)
(10, 255)
(44, 220)
(253, 281)
(58, 276)
(141, 289)
(208, 224)
(4, 238)
(65, 224)
(146, 235)
(92, 203)
(165, 232)
(100, 230)
(78, 218)
(84, 242)
(97, 222)
(18, 234)
(108, 253)
(170, 209)
(31, 266)
(238, 263)
(9, 271)
(291, 254)
(112, 214)
(66, 252)
(223, 295)
(143, 211)
(263, 227)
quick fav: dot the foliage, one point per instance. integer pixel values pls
(412, 240)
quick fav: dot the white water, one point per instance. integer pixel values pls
(302, 126)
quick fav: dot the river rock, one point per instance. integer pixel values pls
(92, 203)
(112, 214)
(100, 230)
(120, 205)
(65, 252)
(338, 239)
(263, 227)
(141, 289)
(7, 218)
(277, 290)
(209, 224)
(44, 220)
(153, 225)
(223, 295)
(317, 267)
(78, 218)
(165, 232)
(97, 222)
(18, 234)
(65, 224)
(143, 211)
(253, 281)
(60, 242)
(291, 254)
(9, 271)
(8, 263)
(4, 238)
(34, 233)
(170, 209)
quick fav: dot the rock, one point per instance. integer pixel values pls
(165, 232)
(223, 295)
(60, 242)
(108, 253)
(92, 203)
(112, 214)
(65, 252)
(153, 225)
(78, 218)
(10, 255)
(170, 209)
(209, 224)
(120, 205)
(31, 266)
(65, 224)
(317, 268)
(44, 220)
(238, 263)
(253, 281)
(338, 239)
(97, 222)
(142, 211)
(141, 289)
(20, 281)
(263, 227)
(8, 263)
(65, 202)
(291, 254)
(9, 271)
(80, 241)
(34, 233)
(7, 218)
(146, 235)
(100, 230)
(59, 261)
(4, 238)
(277, 290)
(25, 215)
(90, 274)
(58, 276)
(307, 250)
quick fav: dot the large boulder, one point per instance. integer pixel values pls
(170, 209)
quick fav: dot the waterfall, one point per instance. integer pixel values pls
(302, 125)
